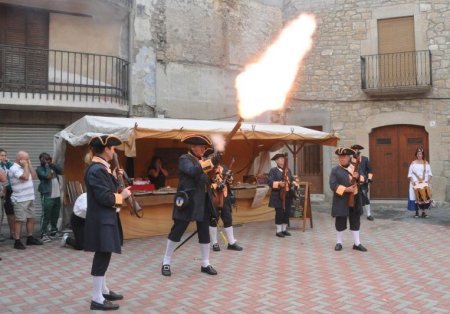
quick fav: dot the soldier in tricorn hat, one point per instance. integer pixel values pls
(281, 180)
(346, 199)
(103, 231)
(366, 175)
(221, 180)
(192, 201)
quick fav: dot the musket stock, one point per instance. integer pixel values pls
(286, 182)
(234, 130)
(351, 198)
(135, 208)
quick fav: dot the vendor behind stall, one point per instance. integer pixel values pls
(156, 172)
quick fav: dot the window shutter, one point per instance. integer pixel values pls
(37, 60)
(24, 69)
(396, 35)
(397, 56)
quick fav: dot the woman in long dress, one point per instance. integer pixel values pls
(419, 172)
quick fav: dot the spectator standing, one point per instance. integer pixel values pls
(5, 164)
(50, 190)
(21, 176)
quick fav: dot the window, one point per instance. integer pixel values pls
(23, 68)
(397, 55)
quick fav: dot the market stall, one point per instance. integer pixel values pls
(145, 137)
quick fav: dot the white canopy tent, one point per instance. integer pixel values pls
(131, 129)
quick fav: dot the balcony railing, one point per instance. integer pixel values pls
(63, 75)
(396, 70)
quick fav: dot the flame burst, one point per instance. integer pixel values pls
(265, 84)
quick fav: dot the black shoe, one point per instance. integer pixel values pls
(424, 215)
(209, 270)
(359, 247)
(165, 270)
(234, 247)
(33, 241)
(370, 218)
(280, 234)
(338, 247)
(112, 296)
(286, 233)
(216, 247)
(18, 245)
(106, 306)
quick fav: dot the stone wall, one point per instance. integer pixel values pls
(346, 31)
(186, 54)
(330, 83)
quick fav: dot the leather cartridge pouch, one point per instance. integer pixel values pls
(181, 200)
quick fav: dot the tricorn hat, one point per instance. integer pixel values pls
(278, 156)
(356, 146)
(195, 139)
(344, 151)
(208, 152)
(104, 141)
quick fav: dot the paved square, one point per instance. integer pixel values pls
(406, 270)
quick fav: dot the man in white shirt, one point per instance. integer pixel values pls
(77, 221)
(21, 175)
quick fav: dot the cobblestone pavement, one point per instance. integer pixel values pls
(406, 270)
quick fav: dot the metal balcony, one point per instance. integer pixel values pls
(396, 73)
(63, 75)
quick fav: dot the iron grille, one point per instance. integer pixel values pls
(390, 70)
(63, 74)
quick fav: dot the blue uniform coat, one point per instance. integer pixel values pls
(276, 174)
(340, 176)
(103, 231)
(196, 184)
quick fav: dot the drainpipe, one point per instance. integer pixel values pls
(130, 53)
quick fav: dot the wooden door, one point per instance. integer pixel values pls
(392, 149)
(310, 165)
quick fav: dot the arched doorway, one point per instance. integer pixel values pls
(392, 149)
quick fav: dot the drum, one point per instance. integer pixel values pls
(423, 193)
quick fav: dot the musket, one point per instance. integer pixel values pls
(285, 179)
(353, 181)
(135, 208)
(187, 239)
(234, 130)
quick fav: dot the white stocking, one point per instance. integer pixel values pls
(204, 250)
(230, 235)
(105, 289)
(169, 251)
(356, 237)
(97, 283)
(339, 237)
(213, 234)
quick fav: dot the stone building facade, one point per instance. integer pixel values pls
(329, 90)
(183, 56)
